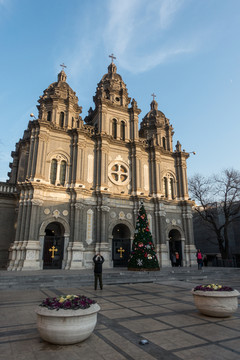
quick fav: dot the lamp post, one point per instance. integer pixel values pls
(33, 116)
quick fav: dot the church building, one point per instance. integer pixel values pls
(75, 186)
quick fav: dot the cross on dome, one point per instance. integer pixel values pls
(63, 66)
(153, 95)
(113, 57)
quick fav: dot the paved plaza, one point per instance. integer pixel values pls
(162, 312)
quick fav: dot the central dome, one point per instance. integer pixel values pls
(112, 89)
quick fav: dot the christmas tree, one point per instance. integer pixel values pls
(143, 256)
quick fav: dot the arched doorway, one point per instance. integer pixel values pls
(120, 245)
(175, 246)
(53, 248)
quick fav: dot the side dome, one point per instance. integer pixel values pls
(59, 104)
(112, 89)
(156, 126)
(154, 118)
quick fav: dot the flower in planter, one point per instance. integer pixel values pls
(68, 302)
(212, 287)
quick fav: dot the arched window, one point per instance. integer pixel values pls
(53, 173)
(165, 184)
(164, 142)
(72, 122)
(61, 119)
(63, 172)
(114, 128)
(122, 131)
(49, 116)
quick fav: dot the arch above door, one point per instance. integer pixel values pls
(53, 248)
(121, 243)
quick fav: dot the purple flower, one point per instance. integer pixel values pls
(73, 302)
(212, 287)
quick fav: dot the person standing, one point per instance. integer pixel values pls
(205, 260)
(199, 259)
(98, 260)
(173, 258)
(177, 259)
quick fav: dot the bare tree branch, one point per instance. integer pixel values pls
(217, 201)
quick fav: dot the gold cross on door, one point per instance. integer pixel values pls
(121, 251)
(53, 249)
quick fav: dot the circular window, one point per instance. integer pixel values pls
(119, 174)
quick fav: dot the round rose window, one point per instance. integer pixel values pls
(119, 174)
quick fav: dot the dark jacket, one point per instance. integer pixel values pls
(98, 264)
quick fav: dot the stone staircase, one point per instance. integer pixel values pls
(10, 280)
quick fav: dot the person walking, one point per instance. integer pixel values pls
(98, 260)
(199, 259)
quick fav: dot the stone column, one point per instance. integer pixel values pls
(190, 249)
(35, 153)
(34, 221)
(70, 179)
(28, 217)
(152, 177)
(104, 210)
(76, 248)
(78, 222)
(15, 256)
(30, 153)
(74, 158)
(98, 163)
(23, 220)
(31, 248)
(162, 238)
(133, 169)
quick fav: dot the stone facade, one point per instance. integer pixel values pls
(80, 183)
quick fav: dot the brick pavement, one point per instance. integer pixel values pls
(162, 312)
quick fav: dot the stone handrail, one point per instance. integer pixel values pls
(7, 188)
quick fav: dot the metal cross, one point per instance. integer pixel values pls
(63, 66)
(53, 249)
(153, 95)
(121, 250)
(112, 56)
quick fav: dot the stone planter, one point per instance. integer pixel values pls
(64, 327)
(216, 303)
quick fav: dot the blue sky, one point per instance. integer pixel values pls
(185, 51)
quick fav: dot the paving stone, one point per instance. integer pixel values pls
(173, 339)
(144, 325)
(232, 344)
(162, 312)
(180, 320)
(212, 352)
(128, 348)
(119, 313)
(213, 332)
(151, 310)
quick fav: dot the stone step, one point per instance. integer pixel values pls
(75, 278)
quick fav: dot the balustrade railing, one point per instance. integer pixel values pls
(7, 188)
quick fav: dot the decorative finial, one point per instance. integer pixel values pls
(63, 66)
(153, 95)
(113, 57)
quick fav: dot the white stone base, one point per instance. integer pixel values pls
(65, 327)
(216, 303)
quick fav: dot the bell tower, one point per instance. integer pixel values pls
(59, 104)
(112, 116)
(155, 125)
